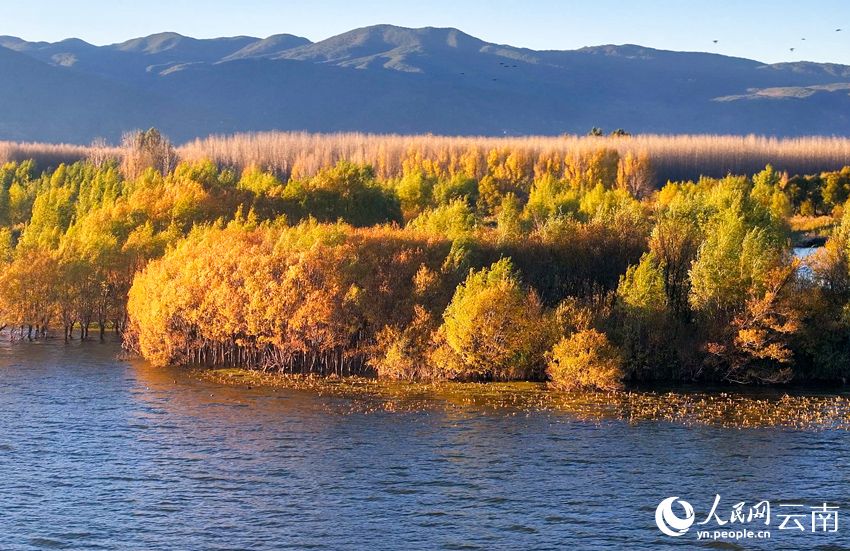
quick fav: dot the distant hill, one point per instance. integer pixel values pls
(394, 79)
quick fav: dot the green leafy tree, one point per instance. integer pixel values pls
(346, 192)
(493, 328)
(415, 192)
(733, 261)
(458, 186)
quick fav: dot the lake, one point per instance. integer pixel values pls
(102, 453)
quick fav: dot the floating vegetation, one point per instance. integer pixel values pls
(750, 409)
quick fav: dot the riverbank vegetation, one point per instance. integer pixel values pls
(580, 270)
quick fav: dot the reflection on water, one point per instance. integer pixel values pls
(803, 254)
(97, 453)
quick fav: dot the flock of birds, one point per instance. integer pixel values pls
(790, 49)
(502, 64)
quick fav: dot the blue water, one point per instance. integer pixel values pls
(98, 453)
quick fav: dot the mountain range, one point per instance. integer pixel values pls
(390, 79)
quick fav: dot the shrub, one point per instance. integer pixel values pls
(585, 360)
(403, 353)
(452, 220)
(493, 328)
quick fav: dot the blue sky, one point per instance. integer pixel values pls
(757, 29)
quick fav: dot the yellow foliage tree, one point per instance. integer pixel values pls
(585, 360)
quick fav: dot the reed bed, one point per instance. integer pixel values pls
(673, 157)
(47, 155)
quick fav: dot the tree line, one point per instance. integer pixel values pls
(581, 274)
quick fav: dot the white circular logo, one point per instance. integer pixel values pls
(667, 520)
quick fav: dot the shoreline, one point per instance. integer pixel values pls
(764, 407)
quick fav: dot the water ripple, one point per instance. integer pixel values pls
(97, 453)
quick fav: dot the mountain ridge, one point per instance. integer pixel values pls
(386, 78)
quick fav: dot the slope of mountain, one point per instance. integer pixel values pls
(134, 59)
(393, 79)
(51, 103)
(271, 46)
(175, 46)
(389, 47)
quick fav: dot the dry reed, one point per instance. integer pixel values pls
(48, 155)
(673, 157)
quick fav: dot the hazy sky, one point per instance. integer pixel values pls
(757, 29)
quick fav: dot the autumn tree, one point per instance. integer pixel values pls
(145, 149)
(635, 175)
(756, 346)
(346, 192)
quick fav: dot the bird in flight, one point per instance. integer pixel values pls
(715, 41)
(792, 49)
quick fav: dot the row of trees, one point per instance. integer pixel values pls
(73, 237)
(697, 282)
(583, 277)
(702, 292)
(402, 303)
(819, 193)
